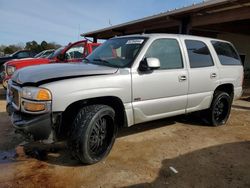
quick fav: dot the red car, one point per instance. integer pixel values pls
(74, 52)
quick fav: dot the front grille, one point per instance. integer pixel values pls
(15, 96)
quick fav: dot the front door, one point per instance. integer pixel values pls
(162, 92)
(75, 53)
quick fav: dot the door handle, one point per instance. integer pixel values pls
(182, 78)
(213, 75)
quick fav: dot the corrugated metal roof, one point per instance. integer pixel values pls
(181, 11)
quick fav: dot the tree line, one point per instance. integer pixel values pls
(31, 45)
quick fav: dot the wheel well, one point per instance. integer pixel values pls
(228, 88)
(71, 111)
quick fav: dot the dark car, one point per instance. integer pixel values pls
(17, 55)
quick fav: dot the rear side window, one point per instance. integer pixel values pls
(168, 52)
(226, 53)
(199, 54)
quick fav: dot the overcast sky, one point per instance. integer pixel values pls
(61, 21)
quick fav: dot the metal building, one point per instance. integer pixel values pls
(223, 19)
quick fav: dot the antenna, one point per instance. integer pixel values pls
(110, 22)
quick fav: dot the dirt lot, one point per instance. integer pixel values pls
(142, 156)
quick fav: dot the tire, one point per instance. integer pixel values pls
(220, 109)
(93, 133)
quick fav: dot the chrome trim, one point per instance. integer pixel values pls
(17, 107)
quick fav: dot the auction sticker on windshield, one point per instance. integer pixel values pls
(135, 41)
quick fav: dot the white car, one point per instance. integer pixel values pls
(126, 81)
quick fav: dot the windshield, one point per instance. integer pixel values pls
(117, 52)
(55, 53)
(14, 53)
(47, 53)
(38, 55)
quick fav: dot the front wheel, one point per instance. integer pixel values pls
(93, 133)
(219, 111)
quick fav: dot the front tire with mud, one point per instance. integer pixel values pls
(93, 133)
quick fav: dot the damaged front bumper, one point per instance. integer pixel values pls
(32, 127)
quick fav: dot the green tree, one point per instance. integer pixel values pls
(8, 50)
(44, 45)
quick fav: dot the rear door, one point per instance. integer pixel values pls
(203, 74)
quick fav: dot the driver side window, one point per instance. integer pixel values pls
(168, 52)
(75, 52)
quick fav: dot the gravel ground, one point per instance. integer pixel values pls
(173, 152)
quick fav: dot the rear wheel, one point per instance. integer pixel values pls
(93, 133)
(219, 111)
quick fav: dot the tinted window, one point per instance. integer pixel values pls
(23, 54)
(199, 54)
(94, 47)
(167, 51)
(226, 53)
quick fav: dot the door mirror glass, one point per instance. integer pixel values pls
(149, 64)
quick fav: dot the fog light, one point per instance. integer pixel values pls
(33, 107)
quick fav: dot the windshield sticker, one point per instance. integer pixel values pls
(135, 41)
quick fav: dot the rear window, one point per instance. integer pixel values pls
(199, 54)
(226, 53)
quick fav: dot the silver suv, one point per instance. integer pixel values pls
(126, 81)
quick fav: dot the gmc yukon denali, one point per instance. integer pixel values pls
(126, 81)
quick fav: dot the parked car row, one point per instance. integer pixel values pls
(127, 80)
(44, 54)
(17, 55)
(74, 52)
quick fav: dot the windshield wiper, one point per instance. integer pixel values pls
(101, 60)
(104, 62)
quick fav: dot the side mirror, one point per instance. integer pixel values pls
(149, 64)
(61, 57)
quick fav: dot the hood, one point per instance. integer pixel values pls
(19, 63)
(36, 75)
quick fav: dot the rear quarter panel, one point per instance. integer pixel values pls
(230, 74)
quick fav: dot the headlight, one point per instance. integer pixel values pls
(10, 70)
(35, 100)
(36, 93)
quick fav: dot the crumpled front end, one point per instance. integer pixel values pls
(30, 117)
